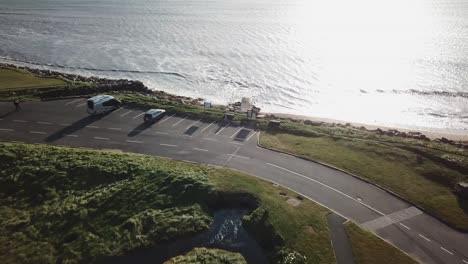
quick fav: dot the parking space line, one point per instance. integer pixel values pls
(129, 112)
(235, 133)
(5, 129)
(251, 135)
(193, 124)
(199, 149)
(167, 118)
(444, 249)
(44, 123)
(464, 261)
(162, 133)
(236, 143)
(168, 145)
(134, 141)
(20, 121)
(425, 238)
(72, 102)
(37, 132)
(92, 127)
(405, 226)
(81, 104)
(114, 128)
(179, 121)
(327, 186)
(222, 128)
(71, 135)
(118, 109)
(207, 126)
(101, 138)
(210, 139)
(242, 157)
(138, 115)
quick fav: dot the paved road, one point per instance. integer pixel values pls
(67, 123)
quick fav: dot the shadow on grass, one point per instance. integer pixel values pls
(78, 125)
(463, 203)
(140, 128)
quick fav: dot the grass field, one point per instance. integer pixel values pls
(369, 249)
(423, 172)
(86, 205)
(16, 79)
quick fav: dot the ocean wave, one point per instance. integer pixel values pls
(433, 92)
(176, 74)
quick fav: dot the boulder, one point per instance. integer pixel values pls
(461, 189)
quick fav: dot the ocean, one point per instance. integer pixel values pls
(401, 63)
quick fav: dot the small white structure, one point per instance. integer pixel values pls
(246, 104)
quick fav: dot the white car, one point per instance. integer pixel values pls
(153, 115)
(102, 104)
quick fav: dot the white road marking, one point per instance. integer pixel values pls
(37, 132)
(162, 133)
(167, 118)
(251, 136)
(135, 141)
(5, 129)
(44, 123)
(92, 127)
(69, 103)
(444, 249)
(392, 218)
(129, 112)
(101, 138)
(329, 187)
(114, 128)
(210, 139)
(20, 121)
(179, 122)
(199, 149)
(118, 109)
(71, 135)
(464, 261)
(236, 143)
(168, 145)
(138, 115)
(242, 157)
(193, 124)
(64, 124)
(425, 238)
(405, 226)
(222, 128)
(230, 156)
(207, 126)
(235, 133)
(80, 105)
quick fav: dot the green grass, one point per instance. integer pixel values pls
(208, 256)
(12, 79)
(369, 249)
(85, 205)
(421, 171)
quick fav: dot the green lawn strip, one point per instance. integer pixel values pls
(208, 256)
(86, 205)
(370, 249)
(422, 179)
(16, 79)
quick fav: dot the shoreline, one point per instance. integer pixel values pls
(431, 133)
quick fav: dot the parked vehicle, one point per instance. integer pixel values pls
(101, 104)
(153, 115)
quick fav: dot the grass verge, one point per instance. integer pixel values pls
(369, 249)
(423, 172)
(208, 256)
(12, 79)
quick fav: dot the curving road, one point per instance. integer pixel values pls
(65, 122)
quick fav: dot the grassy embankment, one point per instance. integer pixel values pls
(86, 205)
(208, 256)
(424, 172)
(25, 84)
(369, 249)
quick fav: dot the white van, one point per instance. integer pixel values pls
(101, 104)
